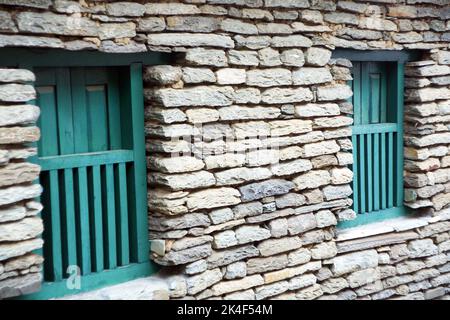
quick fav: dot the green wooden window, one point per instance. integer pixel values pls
(92, 154)
(377, 141)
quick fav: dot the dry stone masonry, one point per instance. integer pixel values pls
(249, 143)
(20, 225)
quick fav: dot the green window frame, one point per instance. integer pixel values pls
(131, 84)
(377, 136)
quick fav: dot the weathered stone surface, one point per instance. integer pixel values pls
(50, 23)
(15, 249)
(164, 223)
(239, 175)
(236, 270)
(222, 258)
(198, 75)
(317, 110)
(264, 189)
(230, 76)
(162, 74)
(334, 285)
(335, 92)
(286, 95)
(170, 9)
(312, 179)
(355, 261)
(202, 281)
(237, 285)
(248, 113)
(17, 286)
(212, 198)
(130, 9)
(320, 148)
(291, 167)
(274, 246)
(24, 229)
(16, 92)
(199, 96)
(238, 26)
(19, 193)
(185, 256)
(16, 173)
(422, 248)
(292, 58)
(151, 24)
(246, 234)
(243, 57)
(268, 77)
(317, 56)
(291, 41)
(190, 40)
(324, 250)
(301, 223)
(308, 76)
(30, 41)
(185, 180)
(16, 75)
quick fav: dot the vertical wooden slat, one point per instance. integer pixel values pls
(110, 218)
(369, 173)
(55, 231)
(391, 186)
(69, 225)
(80, 120)
(362, 173)
(122, 206)
(383, 160)
(376, 172)
(96, 211)
(83, 234)
(132, 96)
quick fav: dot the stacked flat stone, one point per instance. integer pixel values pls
(248, 139)
(401, 260)
(427, 137)
(20, 225)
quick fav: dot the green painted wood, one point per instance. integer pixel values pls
(362, 173)
(114, 120)
(122, 205)
(62, 58)
(96, 123)
(65, 118)
(53, 215)
(139, 220)
(383, 162)
(97, 217)
(83, 223)
(378, 55)
(375, 128)
(68, 225)
(391, 187)
(377, 138)
(86, 159)
(110, 218)
(376, 172)
(97, 118)
(80, 120)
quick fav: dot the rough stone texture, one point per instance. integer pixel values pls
(20, 228)
(257, 107)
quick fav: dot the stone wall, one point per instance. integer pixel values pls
(248, 139)
(427, 112)
(20, 227)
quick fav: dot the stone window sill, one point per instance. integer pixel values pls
(409, 222)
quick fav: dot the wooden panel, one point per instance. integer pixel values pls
(96, 211)
(122, 206)
(97, 118)
(83, 223)
(110, 218)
